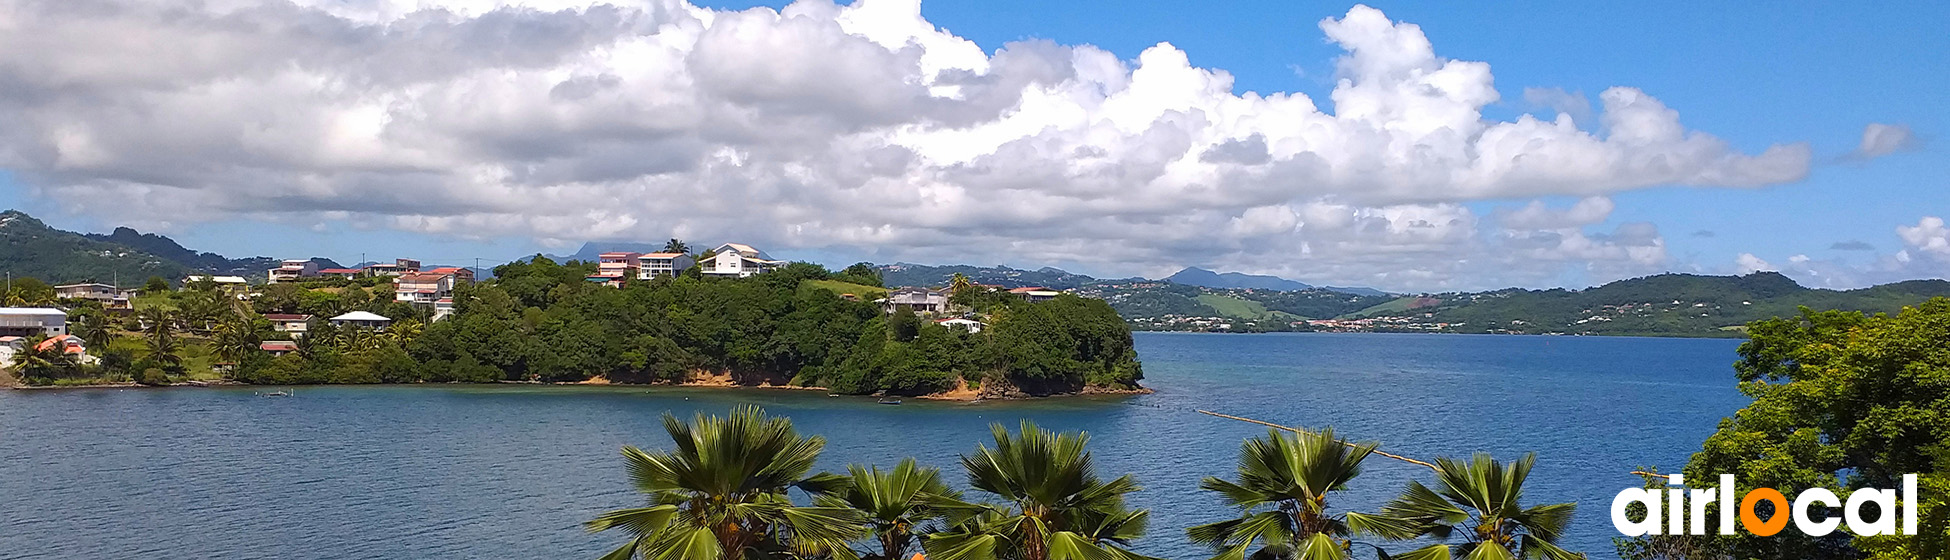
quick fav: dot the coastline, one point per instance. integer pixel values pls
(960, 394)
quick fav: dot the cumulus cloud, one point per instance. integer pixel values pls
(861, 128)
(1883, 139)
(1925, 253)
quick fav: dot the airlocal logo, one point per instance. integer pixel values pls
(1676, 500)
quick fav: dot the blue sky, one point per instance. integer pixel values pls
(1753, 74)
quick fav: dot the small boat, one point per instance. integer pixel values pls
(890, 401)
(275, 394)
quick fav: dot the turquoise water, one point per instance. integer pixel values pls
(510, 471)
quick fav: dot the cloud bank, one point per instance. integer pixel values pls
(859, 129)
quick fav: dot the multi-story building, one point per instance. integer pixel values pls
(462, 275)
(738, 259)
(94, 291)
(290, 323)
(918, 300)
(291, 270)
(662, 265)
(423, 288)
(30, 321)
(395, 268)
(615, 267)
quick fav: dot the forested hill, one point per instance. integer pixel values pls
(1665, 304)
(34, 250)
(168, 249)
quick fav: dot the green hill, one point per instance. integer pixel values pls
(1239, 308)
(32, 249)
(1667, 304)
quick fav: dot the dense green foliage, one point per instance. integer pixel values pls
(1842, 401)
(1281, 492)
(29, 248)
(541, 321)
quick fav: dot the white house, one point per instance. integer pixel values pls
(970, 325)
(362, 319)
(96, 291)
(1035, 293)
(292, 323)
(662, 265)
(918, 300)
(740, 260)
(30, 321)
(291, 270)
(395, 268)
(423, 288)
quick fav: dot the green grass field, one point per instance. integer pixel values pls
(866, 293)
(1237, 308)
(1393, 306)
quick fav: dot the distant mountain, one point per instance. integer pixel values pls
(590, 250)
(167, 248)
(32, 249)
(908, 274)
(1193, 276)
(1202, 277)
(1663, 304)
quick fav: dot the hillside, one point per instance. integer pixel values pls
(1665, 304)
(906, 274)
(32, 249)
(1208, 279)
(168, 249)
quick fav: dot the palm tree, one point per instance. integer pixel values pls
(93, 329)
(722, 494)
(39, 361)
(236, 338)
(404, 331)
(160, 333)
(1478, 502)
(1055, 506)
(900, 506)
(1282, 489)
(676, 246)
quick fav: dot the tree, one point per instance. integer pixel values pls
(862, 273)
(160, 334)
(900, 506)
(905, 325)
(1841, 401)
(1478, 502)
(40, 362)
(1053, 504)
(1281, 490)
(676, 246)
(155, 285)
(721, 494)
(237, 338)
(92, 328)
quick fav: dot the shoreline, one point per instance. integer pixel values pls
(957, 395)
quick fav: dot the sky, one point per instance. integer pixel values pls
(1407, 146)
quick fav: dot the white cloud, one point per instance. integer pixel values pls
(1925, 254)
(1747, 263)
(1883, 139)
(861, 128)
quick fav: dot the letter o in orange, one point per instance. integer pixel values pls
(1752, 521)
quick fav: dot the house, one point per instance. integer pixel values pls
(362, 319)
(69, 344)
(232, 284)
(740, 260)
(290, 323)
(104, 293)
(662, 265)
(970, 325)
(278, 347)
(423, 288)
(346, 273)
(291, 270)
(918, 300)
(442, 308)
(30, 321)
(396, 268)
(1035, 293)
(9, 346)
(462, 275)
(615, 267)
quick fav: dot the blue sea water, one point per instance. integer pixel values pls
(511, 471)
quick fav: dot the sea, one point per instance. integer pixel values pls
(512, 471)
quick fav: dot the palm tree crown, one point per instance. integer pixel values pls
(900, 505)
(1478, 501)
(1054, 505)
(722, 494)
(1281, 490)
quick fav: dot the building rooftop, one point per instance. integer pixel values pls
(44, 311)
(361, 316)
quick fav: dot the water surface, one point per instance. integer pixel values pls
(511, 471)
